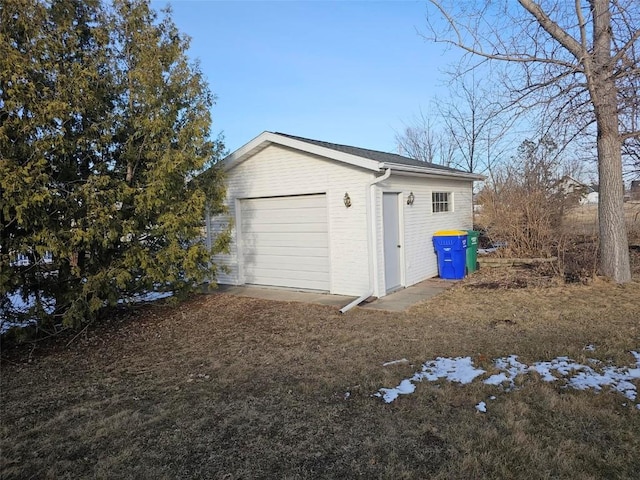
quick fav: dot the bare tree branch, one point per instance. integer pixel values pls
(629, 135)
(623, 50)
(516, 57)
(553, 29)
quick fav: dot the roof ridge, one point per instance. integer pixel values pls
(339, 144)
(373, 153)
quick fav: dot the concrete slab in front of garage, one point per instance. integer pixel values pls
(398, 301)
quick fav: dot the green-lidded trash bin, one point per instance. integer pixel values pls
(472, 250)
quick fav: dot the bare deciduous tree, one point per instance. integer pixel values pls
(475, 124)
(580, 61)
(463, 131)
(421, 141)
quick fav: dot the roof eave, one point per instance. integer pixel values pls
(414, 170)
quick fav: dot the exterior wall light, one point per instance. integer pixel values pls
(411, 198)
(347, 200)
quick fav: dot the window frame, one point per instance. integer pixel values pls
(441, 202)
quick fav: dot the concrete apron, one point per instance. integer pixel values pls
(405, 298)
(398, 301)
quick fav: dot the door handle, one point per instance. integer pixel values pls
(399, 246)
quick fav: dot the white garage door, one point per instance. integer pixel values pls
(285, 241)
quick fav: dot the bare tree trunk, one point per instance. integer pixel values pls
(614, 244)
(599, 72)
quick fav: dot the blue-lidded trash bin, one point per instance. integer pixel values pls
(451, 249)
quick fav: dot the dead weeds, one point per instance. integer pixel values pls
(229, 387)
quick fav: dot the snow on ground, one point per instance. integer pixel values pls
(562, 369)
(6, 325)
(145, 297)
(458, 370)
(509, 368)
(19, 305)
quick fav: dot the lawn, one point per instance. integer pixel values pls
(583, 219)
(236, 388)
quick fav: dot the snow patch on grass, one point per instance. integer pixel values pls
(145, 297)
(571, 373)
(509, 368)
(459, 370)
(390, 394)
(18, 305)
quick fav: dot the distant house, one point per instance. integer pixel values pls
(634, 191)
(308, 214)
(592, 197)
(23, 260)
(584, 194)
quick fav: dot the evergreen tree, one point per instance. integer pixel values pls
(104, 126)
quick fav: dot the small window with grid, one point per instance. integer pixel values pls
(440, 202)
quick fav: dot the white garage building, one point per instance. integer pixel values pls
(313, 215)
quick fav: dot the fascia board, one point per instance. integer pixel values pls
(400, 169)
(241, 154)
(267, 138)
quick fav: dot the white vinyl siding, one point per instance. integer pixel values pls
(281, 171)
(419, 223)
(284, 241)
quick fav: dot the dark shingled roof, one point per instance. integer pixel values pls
(373, 154)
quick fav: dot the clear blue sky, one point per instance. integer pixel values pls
(341, 71)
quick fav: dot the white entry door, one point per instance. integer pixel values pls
(285, 242)
(391, 228)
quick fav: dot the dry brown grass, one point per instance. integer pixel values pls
(228, 387)
(583, 220)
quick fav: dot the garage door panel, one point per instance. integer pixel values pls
(283, 203)
(291, 240)
(284, 241)
(285, 251)
(288, 274)
(278, 227)
(306, 215)
(287, 262)
(308, 284)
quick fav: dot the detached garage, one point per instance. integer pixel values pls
(313, 215)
